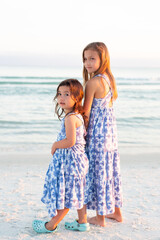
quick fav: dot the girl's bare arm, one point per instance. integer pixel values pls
(89, 95)
(70, 140)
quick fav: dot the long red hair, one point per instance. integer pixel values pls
(103, 53)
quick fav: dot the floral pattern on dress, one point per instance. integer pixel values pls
(66, 176)
(103, 191)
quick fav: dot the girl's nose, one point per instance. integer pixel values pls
(87, 63)
(61, 97)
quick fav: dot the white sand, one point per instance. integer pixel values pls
(22, 178)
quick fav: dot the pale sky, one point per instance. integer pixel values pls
(59, 30)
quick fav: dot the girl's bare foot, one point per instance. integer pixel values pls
(96, 221)
(115, 216)
(49, 226)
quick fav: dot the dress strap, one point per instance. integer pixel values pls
(105, 77)
(71, 113)
(80, 117)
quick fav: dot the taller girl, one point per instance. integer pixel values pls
(104, 193)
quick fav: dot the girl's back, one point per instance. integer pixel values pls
(102, 122)
(103, 91)
(102, 85)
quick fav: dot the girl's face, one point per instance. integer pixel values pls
(64, 99)
(91, 61)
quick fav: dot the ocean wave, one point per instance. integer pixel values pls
(29, 77)
(29, 83)
(32, 80)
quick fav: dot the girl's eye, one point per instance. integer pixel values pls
(66, 94)
(92, 58)
(59, 94)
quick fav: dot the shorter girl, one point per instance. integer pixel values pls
(65, 178)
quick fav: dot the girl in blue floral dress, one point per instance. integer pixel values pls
(66, 176)
(104, 193)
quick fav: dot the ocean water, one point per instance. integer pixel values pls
(28, 122)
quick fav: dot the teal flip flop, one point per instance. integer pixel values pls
(39, 227)
(75, 226)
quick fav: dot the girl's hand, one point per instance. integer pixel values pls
(53, 149)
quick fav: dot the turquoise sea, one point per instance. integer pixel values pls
(28, 122)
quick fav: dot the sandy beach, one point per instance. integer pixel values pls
(22, 178)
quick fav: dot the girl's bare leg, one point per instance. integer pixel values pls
(52, 224)
(82, 215)
(117, 215)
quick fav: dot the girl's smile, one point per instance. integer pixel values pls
(91, 61)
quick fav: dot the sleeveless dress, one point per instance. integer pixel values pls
(66, 176)
(103, 191)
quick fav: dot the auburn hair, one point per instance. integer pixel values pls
(103, 53)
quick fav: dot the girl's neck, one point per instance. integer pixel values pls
(66, 111)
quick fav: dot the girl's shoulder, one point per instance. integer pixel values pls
(98, 81)
(101, 76)
(73, 115)
(69, 116)
(95, 78)
(74, 118)
(92, 83)
(70, 119)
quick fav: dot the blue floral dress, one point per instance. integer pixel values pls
(66, 176)
(104, 191)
